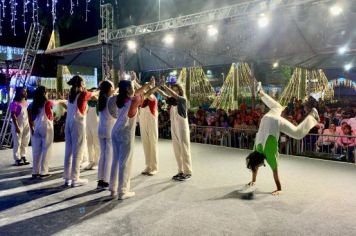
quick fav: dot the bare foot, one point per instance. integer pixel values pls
(276, 192)
(250, 184)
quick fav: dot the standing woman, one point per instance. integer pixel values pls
(107, 120)
(20, 128)
(92, 134)
(180, 131)
(123, 135)
(149, 132)
(75, 131)
(41, 124)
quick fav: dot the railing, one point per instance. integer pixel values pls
(312, 145)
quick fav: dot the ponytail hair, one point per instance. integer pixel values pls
(39, 100)
(105, 87)
(76, 83)
(124, 85)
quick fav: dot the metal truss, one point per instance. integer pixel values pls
(24, 72)
(107, 24)
(233, 12)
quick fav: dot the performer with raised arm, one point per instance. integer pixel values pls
(180, 130)
(123, 135)
(75, 131)
(148, 121)
(266, 142)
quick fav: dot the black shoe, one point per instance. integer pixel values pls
(24, 161)
(105, 184)
(185, 177)
(18, 163)
(102, 185)
(45, 176)
(177, 176)
(35, 176)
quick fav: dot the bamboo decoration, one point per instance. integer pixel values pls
(304, 83)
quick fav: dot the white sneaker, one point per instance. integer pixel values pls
(126, 195)
(67, 183)
(315, 114)
(79, 182)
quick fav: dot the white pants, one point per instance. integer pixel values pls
(299, 131)
(149, 137)
(42, 140)
(74, 149)
(181, 146)
(93, 145)
(121, 162)
(20, 141)
(105, 161)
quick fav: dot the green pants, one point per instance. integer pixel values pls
(270, 150)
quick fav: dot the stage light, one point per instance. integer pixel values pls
(335, 10)
(127, 76)
(348, 66)
(212, 30)
(263, 21)
(168, 39)
(131, 45)
(275, 64)
(342, 50)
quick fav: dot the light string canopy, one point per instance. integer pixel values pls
(30, 11)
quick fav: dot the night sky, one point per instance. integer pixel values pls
(73, 28)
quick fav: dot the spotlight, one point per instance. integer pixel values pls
(335, 10)
(127, 76)
(275, 64)
(263, 21)
(342, 50)
(168, 39)
(131, 45)
(212, 30)
(348, 66)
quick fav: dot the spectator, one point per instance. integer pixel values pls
(326, 142)
(346, 144)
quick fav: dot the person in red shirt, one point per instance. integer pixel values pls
(40, 118)
(75, 131)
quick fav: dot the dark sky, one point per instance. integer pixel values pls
(73, 28)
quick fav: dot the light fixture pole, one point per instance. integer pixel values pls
(159, 10)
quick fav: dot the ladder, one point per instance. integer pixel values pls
(22, 75)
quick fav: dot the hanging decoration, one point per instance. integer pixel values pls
(30, 9)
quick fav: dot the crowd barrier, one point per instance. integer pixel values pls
(312, 145)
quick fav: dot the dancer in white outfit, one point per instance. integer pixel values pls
(123, 135)
(20, 128)
(266, 142)
(75, 131)
(107, 120)
(148, 120)
(180, 131)
(92, 135)
(41, 124)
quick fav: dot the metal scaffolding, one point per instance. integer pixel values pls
(233, 12)
(22, 75)
(107, 24)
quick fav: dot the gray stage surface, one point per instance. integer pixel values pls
(319, 199)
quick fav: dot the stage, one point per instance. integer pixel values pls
(319, 198)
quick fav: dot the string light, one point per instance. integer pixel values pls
(54, 11)
(30, 12)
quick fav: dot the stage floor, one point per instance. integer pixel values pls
(319, 198)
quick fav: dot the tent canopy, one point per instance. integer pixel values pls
(304, 36)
